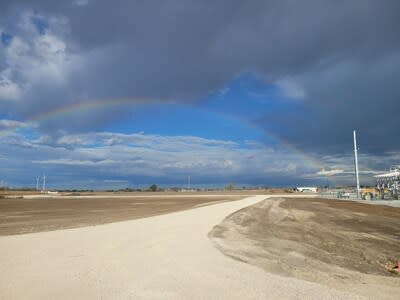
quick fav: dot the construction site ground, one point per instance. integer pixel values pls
(346, 245)
(19, 215)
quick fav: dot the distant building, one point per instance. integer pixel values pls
(306, 189)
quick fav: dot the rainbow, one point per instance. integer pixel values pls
(93, 104)
(87, 105)
(74, 107)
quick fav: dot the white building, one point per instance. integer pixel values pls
(302, 189)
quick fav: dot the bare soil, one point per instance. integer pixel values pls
(342, 244)
(19, 216)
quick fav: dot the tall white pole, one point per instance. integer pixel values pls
(189, 182)
(37, 183)
(356, 163)
(44, 183)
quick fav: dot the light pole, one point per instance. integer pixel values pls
(356, 163)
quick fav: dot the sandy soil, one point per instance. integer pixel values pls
(341, 244)
(163, 257)
(51, 213)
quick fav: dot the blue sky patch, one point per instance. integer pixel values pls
(40, 23)
(6, 38)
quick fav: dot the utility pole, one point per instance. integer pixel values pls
(356, 163)
(44, 183)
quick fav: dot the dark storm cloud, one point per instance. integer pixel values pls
(342, 55)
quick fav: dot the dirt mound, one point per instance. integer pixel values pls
(337, 243)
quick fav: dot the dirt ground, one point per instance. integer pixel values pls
(245, 192)
(164, 257)
(19, 216)
(341, 244)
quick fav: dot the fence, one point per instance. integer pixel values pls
(351, 195)
(339, 194)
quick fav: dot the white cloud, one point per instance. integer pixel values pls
(222, 92)
(74, 162)
(176, 143)
(108, 155)
(168, 157)
(35, 60)
(9, 90)
(324, 172)
(80, 2)
(289, 88)
(9, 129)
(12, 124)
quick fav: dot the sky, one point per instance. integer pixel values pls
(114, 94)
